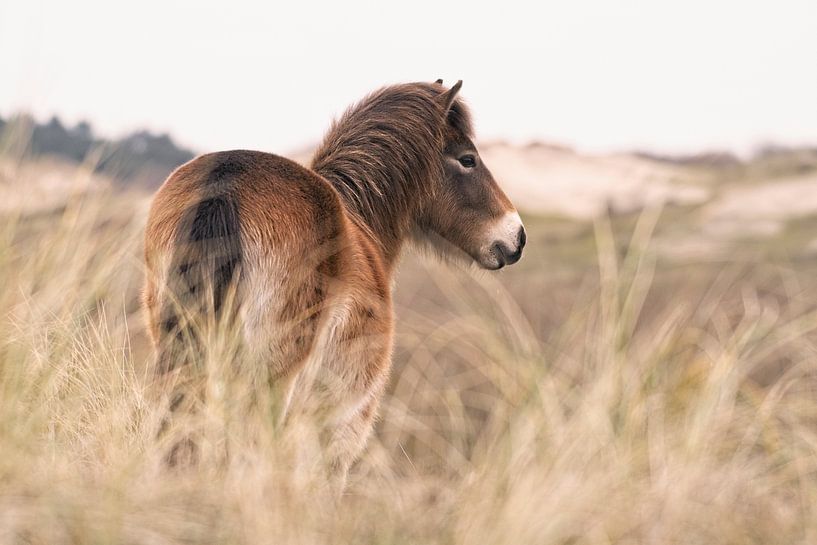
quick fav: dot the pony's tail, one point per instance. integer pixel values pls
(199, 299)
(201, 281)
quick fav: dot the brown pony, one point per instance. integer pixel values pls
(300, 260)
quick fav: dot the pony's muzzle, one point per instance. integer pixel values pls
(507, 255)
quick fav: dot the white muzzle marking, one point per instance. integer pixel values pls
(507, 229)
(502, 244)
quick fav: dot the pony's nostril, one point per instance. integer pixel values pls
(523, 238)
(499, 252)
(505, 255)
(510, 259)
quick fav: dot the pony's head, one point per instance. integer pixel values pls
(469, 215)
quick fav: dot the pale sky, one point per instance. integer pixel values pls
(600, 75)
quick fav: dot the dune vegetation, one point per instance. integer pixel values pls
(603, 391)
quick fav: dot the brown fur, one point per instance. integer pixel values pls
(301, 259)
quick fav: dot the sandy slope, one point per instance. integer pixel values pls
(556, 180)
(762, 209)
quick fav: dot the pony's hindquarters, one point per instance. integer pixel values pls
(256, 272)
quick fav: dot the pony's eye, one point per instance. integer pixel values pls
(468, 161)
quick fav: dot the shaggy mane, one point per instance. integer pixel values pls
(384, 155)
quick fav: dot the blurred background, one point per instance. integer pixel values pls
(576, 103)
(646, 374)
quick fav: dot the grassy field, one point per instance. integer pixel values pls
(603, 391)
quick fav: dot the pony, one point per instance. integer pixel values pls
(300, 261)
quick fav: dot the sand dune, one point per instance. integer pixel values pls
(556, 180)
(762, 209)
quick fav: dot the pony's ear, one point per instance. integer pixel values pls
(439, 81)
(447, 99)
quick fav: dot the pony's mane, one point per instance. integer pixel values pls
(383, 154)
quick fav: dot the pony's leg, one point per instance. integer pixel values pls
(353, 378)
(346, 442)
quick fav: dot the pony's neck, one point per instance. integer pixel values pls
(373, 204)
(384, 182)
(383, 157)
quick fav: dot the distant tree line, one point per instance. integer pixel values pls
(141, 156)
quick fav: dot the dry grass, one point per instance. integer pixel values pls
(628, 401)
